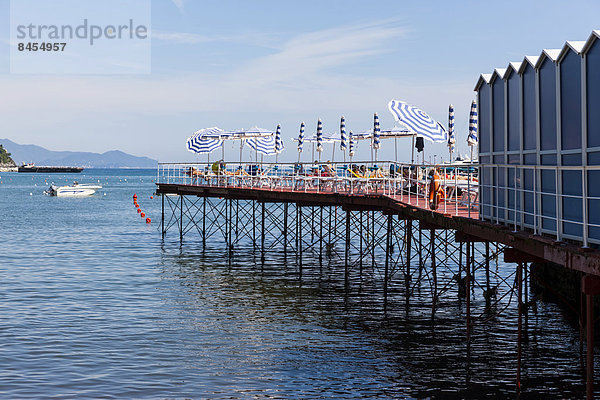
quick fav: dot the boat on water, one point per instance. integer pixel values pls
(47, 169)
(75, 190)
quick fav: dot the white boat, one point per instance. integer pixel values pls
(75, 190)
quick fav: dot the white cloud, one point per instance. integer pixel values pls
(300, 78)
(178, 4)
(258, 39)
(317, 51)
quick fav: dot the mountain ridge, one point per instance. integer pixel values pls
(30, 153)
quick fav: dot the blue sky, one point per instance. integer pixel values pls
(237, 64)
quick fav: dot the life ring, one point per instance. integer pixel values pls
(435, 190)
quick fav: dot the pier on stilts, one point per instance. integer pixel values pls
(380, 224)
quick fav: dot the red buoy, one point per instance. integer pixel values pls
(139, 210)
(151, 197)
(142, 215)
(135, 196)
(148, 220)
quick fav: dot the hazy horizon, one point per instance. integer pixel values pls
(236, 65)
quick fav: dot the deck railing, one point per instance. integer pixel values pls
(405, 182)
(549, 200)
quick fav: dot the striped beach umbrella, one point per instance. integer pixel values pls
(451, 138)
(472, 139)
(199, 143)
(351, 145)
(343, 137)
(418, 121)
(376, 132)
(301, 138)
(261, 140)
(319, 137)
(376, 135)
(264, 145)
(278, 142)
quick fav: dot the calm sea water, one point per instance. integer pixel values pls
(94, 304)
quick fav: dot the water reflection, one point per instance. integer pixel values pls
(312, 337)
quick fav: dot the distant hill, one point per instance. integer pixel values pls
(5, 158)
(26, 153)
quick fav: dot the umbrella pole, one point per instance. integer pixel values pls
(395, 149)
(412, 157)
(333, 154)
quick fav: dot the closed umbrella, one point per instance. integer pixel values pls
(300, 140)
(343, 136)
(472, 139)
(451, 138)
(319, 138)
(376, 135)
(278, 142)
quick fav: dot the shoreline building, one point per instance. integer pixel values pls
(539, 142)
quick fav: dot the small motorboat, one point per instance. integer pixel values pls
(75, 190)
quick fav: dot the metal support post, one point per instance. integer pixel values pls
(203, 223)
(519, 322)
(468, 290)
(386, 277)
(262, 234)
(347, 253)
(433, 270)
(181, 219)
(162, 219)
(285, 229)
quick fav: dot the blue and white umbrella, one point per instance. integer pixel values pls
(200, 143)
(279, 146)
(418, 121)
(343, 135)
(351, 145)
(376, 132)
(472, 139)
(264, 145)
(261, 140)
(301, 138)
(451, 138)
(319, 137)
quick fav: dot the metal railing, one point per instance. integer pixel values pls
(507, 194)
(406, 182)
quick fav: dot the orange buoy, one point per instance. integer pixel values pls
(148, 220)
(151, 197)
(135, 196)
(139, 210)
(435, 190)
(142, 215)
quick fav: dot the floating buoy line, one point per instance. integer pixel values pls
(139, 210)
